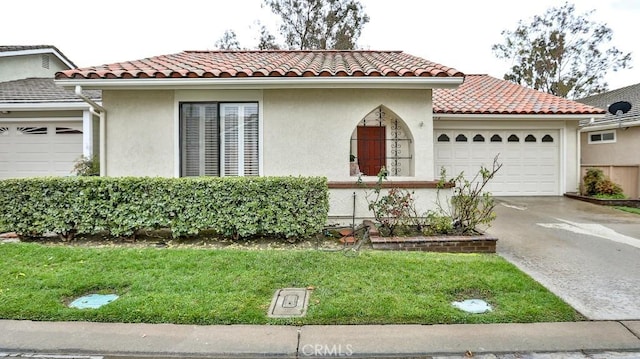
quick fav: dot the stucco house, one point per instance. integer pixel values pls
(44, 128)
(339, 114)
(612, 143)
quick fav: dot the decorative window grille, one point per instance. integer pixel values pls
(32, 130)
(67, 131)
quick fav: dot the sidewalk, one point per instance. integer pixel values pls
(191, 341)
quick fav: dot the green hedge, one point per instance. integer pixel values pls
(230, 206)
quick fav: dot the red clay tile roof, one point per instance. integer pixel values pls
(483, 94)
(226, 64)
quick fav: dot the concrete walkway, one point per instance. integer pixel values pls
(190, 341)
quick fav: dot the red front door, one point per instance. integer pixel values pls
(372, 149)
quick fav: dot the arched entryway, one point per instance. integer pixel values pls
(381, 139)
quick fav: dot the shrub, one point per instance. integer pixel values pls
(591, 180)
(470, 205)
(394, 209)
(232, 206)
(86, 166)
(596, 184)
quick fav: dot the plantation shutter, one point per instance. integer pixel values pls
(239, 139)
(199, 140)
(251, 138)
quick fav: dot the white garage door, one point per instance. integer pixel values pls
(531, 158)
(30, 149)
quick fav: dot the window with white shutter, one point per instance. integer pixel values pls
(219, 139)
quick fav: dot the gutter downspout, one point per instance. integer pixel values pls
(579, 154)
(99, 111)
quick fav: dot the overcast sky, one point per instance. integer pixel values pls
(456, 33)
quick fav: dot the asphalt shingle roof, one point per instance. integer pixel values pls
(630, 94)
(226, 64)
(39, 90)
(483, 94)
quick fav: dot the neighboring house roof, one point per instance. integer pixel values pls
(18, 50)
(483, 94)
(630, 94)
(36, 91)
(280, 63)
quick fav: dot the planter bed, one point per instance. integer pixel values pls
(635, 203)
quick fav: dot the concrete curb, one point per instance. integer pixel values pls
(169, 340)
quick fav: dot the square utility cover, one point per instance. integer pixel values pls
(289, 302)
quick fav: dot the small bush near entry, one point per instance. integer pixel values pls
(470, 206)
(231, 206)
(596, 184)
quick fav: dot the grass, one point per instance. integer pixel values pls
(629, 209)
(230, 286)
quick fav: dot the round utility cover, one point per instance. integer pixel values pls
(93, 301)
(475, 306)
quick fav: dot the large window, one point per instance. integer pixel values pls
(219, 139)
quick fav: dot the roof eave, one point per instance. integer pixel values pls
(609, 125)
(48, 50)
(44, 106)
(253, 83)
(511, 116)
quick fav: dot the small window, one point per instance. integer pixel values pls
(443, 138)
(67, 131)
(602, 137)
(478, 138)
(513, 138)
(530, 138)
(461, 138)
(32, 130)
(4, 131)
(496, 138)
(547, 138)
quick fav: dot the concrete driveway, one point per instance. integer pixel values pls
(588, 255)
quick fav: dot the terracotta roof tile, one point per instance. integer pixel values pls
(483, 94)
(224, 64)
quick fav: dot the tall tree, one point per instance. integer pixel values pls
(267, 41)
(228, 41)
(562, 53)
(320, 24)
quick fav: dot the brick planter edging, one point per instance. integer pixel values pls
(448, 244)
(635, 203)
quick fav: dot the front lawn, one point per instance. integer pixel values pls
(231, 286)
(629, 209)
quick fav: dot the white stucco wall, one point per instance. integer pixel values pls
(140, 133)
(25, 66)
(303, 132)
(308, 132)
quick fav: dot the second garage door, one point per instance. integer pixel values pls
(530, 158)
(30, 149)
